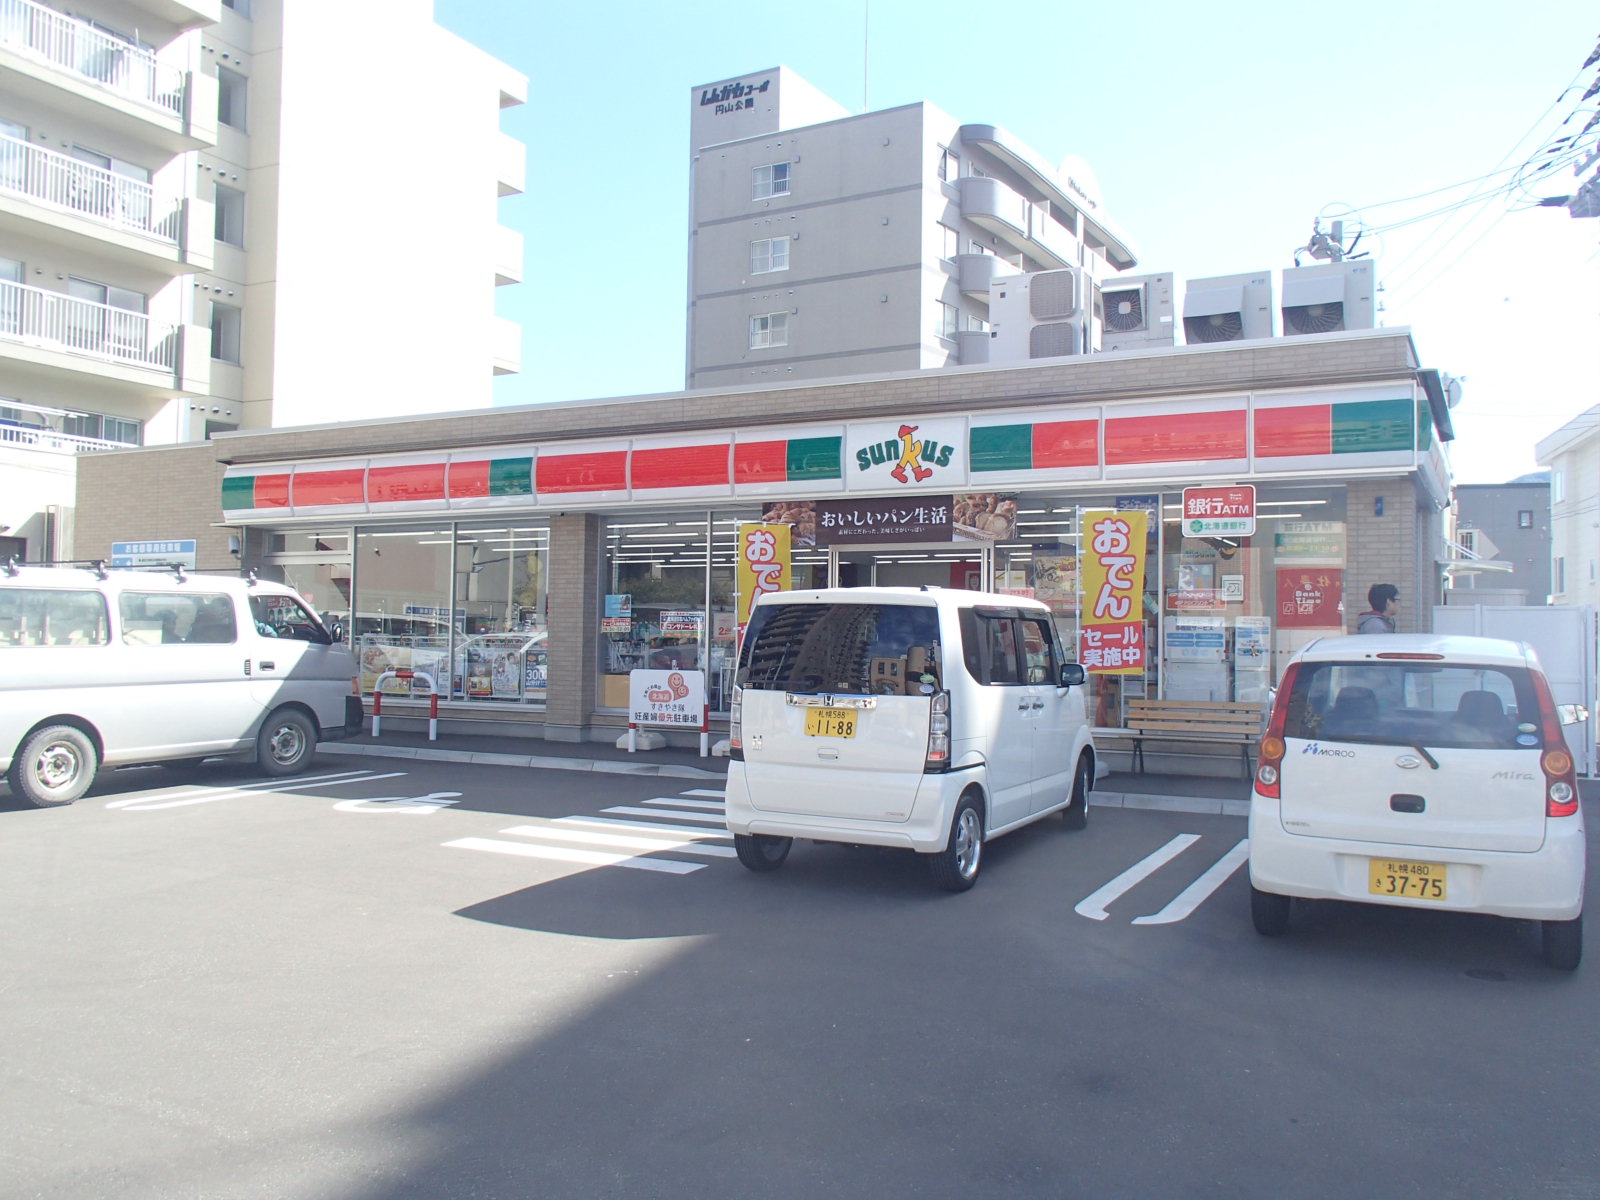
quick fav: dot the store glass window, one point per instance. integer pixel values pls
(501, 651)
(403, 605)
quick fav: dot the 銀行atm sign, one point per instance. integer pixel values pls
(1219, 511)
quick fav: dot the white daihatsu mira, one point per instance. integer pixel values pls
(929, 719)
(1422, 771)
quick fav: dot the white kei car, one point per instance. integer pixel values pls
(1423, 771)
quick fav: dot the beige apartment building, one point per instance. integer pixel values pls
(193, 239)
(824, 244)
(1573, 455)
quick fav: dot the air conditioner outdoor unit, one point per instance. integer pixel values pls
(1038, 315)
(1329, 297)
(1228, 308)
(1136, 311)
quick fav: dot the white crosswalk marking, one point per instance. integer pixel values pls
(146, 803)
(589, 858)
(716, 793)
(628, 811)
(1186, 901)
(1093, 905)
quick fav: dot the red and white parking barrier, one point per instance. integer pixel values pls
(412, 677)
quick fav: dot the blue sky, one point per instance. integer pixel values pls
(1217, 133)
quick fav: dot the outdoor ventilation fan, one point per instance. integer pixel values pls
(1219, 327)
(1124, 311)
(1315, 318)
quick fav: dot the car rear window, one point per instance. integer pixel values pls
(878, 649)
(1409, 703)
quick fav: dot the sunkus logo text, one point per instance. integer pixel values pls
(913, 458)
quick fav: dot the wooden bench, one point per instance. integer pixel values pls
(1230, 722)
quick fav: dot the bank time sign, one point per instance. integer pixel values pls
(1219, 512)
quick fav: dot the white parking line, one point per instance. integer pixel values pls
(590, 858)
(621, 840)
(662, 812)
(677, 830)
(208, 795)
(714, 792)
(1186, 901)
(1094, 906)
(712, 805)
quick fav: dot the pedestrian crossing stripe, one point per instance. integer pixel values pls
(588, 858)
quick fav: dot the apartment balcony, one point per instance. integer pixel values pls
(30, 427)
(507, 256)
(510, 164)
(45, 333)
(1025, 226)
(506, 343)
(976, 273)
(70, 65)
(185, 14)
(50, 197)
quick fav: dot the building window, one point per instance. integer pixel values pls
(769, 254)
(949, 165)
(230, 215)
(242, 7)
(1467, 539)
(224, 332)
(948, 320)
(230, 98)
(118, 429)
(769, 329)
(1558, 572)
(980, 248)
(770, 180)
(977, 325)
(949, 242)
(1556, 495)
(1524, 518)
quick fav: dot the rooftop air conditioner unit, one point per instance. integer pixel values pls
(1228, 308)
(1329, 297)
(1038, 315)
(1136, 311)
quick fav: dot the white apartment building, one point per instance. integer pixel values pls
(823, 244)
(1573, 455)
(211, 220)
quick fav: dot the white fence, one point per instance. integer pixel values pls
(53, 321)
(73, 45)
(75, 186)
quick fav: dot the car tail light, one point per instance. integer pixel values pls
(938, 734)
(736, 725)
(1269, 758)
(1560, 781)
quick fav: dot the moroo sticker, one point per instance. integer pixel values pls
(1527, 739)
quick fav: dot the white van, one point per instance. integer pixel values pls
(921, 718)
(117, 667)
(1423, 771)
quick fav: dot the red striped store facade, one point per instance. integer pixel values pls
(495, 549)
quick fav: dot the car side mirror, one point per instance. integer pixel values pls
(1572, 714)
(1071, 674)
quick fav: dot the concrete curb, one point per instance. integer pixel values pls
(1206, 805)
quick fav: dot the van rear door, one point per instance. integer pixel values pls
(829, 728)
(1416, 753)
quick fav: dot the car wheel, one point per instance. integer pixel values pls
(55, 766)
(761, 851)
(1269, 912)
(285, 743)
(1563, 943)
(1076, 814)
(955, 868)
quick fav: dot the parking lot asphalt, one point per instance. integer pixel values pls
(1115, 789)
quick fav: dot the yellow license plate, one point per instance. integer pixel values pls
(1414, 880)
(831, 722)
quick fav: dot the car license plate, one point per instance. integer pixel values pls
(1413, 880)
(831, 722)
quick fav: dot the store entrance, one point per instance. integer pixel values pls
(933, 564)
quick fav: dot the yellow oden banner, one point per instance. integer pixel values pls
(764, 565)
(1111, 623)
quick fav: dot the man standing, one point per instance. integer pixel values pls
(1383, 600)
